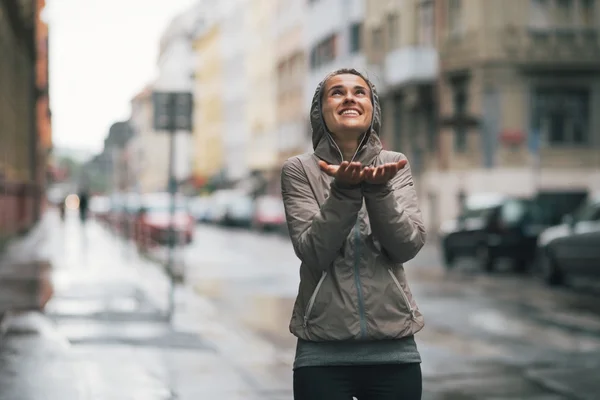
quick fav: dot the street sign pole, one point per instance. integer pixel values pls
(171, 235)
(172, 113)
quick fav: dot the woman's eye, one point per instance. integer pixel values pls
(336, 92)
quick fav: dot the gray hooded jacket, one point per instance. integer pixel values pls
(352, 241)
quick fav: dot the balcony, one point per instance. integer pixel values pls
(410, 65)
(556, 48)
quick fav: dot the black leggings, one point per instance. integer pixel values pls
(369, 382)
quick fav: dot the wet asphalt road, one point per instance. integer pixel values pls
(500, 336)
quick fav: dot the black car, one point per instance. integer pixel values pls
(493, 227)
(490, 229)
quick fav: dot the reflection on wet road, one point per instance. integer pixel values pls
(499, 336)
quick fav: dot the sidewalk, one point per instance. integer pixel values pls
(105, 337)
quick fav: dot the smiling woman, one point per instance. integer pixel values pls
(353, 218)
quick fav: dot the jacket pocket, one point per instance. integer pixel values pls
(403, 295)
(313, 297)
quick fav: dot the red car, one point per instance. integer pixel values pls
(154, 220)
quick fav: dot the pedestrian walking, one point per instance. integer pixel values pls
(353, 219)
(84, 199)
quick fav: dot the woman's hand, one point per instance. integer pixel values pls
(348, 173)
(382, 174)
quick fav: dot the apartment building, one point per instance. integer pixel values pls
(293, 136)
(262, 105)
(176, 64)
(147, 150)
(333, 40)
(236, 133)
(519, 85)
(208, 160)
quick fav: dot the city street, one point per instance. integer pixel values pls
(502, 336)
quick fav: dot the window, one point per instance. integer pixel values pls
(355, 37)
(460, 100)
(455, 24)
(324, 52)
(564, 12)
(587, 13)
(426, 23)
(393, 24)
(513, 212)
(561, 115)
(589, 211)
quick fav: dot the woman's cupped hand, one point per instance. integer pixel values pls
(353, 173)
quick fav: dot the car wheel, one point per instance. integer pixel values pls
(484, 258)
(550, 270)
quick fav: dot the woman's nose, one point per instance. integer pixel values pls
(349, 98)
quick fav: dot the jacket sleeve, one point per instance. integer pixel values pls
(395, 216)
(317, 233)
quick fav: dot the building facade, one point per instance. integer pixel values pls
(260, 75)
(399, 39)
(148, 150)
(43, 113)
(291, 70)
(208, 162)
(20, 186)
(236, 133)
(333, 40)
(176, 63)
(518, 94)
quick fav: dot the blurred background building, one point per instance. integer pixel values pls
(478, 103)
(25, 129)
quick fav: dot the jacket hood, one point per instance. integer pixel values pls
(323, 143)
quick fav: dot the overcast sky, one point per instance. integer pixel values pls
(102, 53)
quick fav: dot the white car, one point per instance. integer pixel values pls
(572, 248)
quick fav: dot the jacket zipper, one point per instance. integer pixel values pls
(361, 304)
(404, 296)
(313, 297)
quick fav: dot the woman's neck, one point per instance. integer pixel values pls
(348, 147)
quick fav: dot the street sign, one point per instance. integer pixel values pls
(172, 111)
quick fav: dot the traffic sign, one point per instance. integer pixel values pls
(172, 111)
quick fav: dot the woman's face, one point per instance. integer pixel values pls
(347, 106)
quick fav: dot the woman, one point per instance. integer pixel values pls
(353, 220)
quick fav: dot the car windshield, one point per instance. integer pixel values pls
(589, 211)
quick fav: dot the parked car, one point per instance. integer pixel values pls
(573, 247)
(494, 227)
(269, 213)
(200, 208)
(154, 220)
(218, 203)
(100, 208)
(239, 211)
